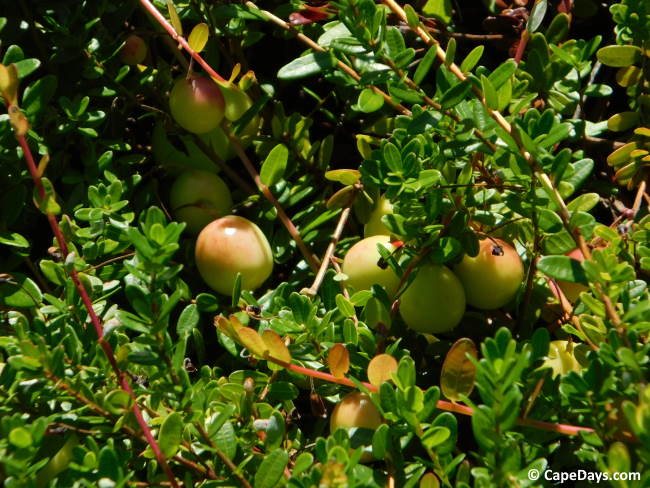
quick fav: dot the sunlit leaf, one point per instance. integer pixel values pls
(458, 372)
(199, 37)
(252, 341)
(276, 348)
(381, 368)
(338, 360)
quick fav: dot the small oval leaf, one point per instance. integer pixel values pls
(562, 268)
(174, 18)
(345, 176)
(252, 341)
(274, 165)
(277, 349)
(170, 435)
(458, 372)
(619, 56)
(369, 101)
(381, 368)
(338, 360)
(199, 37)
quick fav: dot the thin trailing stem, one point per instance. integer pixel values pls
(327, 258)
(122, 378)
(442, 404)
(149, 7)
(311, 259)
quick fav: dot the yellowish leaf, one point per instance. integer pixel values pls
(277, 349)
(458, 372)
(251, 340)
(338, 360)
(42, 165)
(228, 326)
(429, 480)
(173, 17)
(18, 120)
(199, 37)
(9, 83)
(380, 368)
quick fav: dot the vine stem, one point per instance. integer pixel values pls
(546, 182)
(149, 7)
(313, 289)
(122, 378)
(312, 260)
(442, 404)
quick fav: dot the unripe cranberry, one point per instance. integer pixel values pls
(199, 197)
(232, 245)
(361, 265)
(196, 104)
(492, 278)
(134, 50)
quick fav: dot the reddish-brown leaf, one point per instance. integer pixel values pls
(338, 360)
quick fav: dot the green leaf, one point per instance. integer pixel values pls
(536, 17)
(271, 470)
(559, 28)
(308, 65)
(435, 436)
(344, 176)
(13, 239)
(584, 202)
(20, 437)
(345, 306)
(440, 9)
(454, 95)
(369, 101)
(598, 90)
(48, 204)
(25, 67)
(490, 94)
(187, 321)
(394, 42)
(623, 121)
(199, 37)
(19, 291)
(471, 59)
(411, 16)
(380, 441)
(38, 94)
(502, 73)
(425, 65)
(302, 463)
(274, 165)
(171, 434)
(562, 268)
(392, 157)
(451, 52)
(226, 440)
(619, 56)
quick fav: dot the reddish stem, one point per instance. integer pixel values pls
(442, 404)
(96, 321)
(180, 39)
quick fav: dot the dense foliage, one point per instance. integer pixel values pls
(438, 123)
